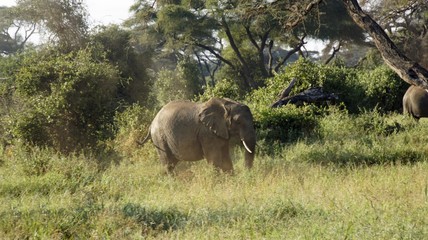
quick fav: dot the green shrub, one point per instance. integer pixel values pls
(333, 79)
(359, 91)
(120, 50)
(64, 101)
(131, 125)
(383, 88)
(289, 123)
(181, 83)
(284, 124)
(342, 81)
(224, 89)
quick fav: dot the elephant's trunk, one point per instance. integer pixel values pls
(248, 139)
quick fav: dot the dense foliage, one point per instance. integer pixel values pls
(358, 90)
(82, 94)
(62, 100)
(116, 44)
(184, 82)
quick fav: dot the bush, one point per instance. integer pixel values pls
(288, 123)
(132, 125)
(64, 101)
(343, 82)
(383, 88)
(118, 46)
(359, 91)
(284, 124)
(181, 83)
(224, 89)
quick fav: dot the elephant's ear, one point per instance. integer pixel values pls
(213, 114)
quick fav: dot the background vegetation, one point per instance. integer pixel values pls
(74, 106)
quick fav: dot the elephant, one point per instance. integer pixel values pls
(415, 102)
(188, 131)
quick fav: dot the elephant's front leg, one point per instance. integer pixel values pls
(219, 156)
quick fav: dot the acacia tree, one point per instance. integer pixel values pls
(409, 70)
(14, 32)
(63, 22)
(406, 22)
(239, 35)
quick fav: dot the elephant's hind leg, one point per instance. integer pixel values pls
(168, 160)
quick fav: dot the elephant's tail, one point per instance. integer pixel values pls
(141, 143)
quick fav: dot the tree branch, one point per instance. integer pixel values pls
(232, 42)
(250, 36)
(298, 15)
(287, 91)
(221, 58)
(291, 52)
(335, 51)
(245, 71)
(270, 62)
(410, 71)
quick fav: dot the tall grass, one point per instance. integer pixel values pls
(361, 177)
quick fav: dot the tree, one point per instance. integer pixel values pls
(14, 33)
(406, 22)
(333, 25)
(64, 22)
(409, 70)
(238, 34)
(116, 43)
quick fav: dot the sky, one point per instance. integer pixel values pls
(100, 11)
(107, 12)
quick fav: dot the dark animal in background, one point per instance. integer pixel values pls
(415, 102)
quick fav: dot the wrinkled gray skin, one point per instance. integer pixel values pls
(415, 102)
(187, 131)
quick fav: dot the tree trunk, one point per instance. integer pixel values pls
(410, 71)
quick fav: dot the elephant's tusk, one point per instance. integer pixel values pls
(246, 147)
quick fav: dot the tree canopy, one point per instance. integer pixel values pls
(63, 22)
(243, 36)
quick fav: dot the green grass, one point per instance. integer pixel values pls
(357, 182)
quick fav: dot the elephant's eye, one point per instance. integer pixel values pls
(237, 119)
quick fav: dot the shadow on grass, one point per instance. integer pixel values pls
(341, 157)
(171, 219)
(155, 221)
(64, 223)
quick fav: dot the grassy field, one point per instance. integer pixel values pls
(302, 190)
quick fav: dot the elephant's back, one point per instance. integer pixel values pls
(173, 113)
(177, 112)
(175, 127)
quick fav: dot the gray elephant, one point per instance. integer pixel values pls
(188, 131)
(415, 102)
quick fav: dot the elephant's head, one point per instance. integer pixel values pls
(227, 118)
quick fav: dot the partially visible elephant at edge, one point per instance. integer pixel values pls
(188, 131)
(415, 102)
